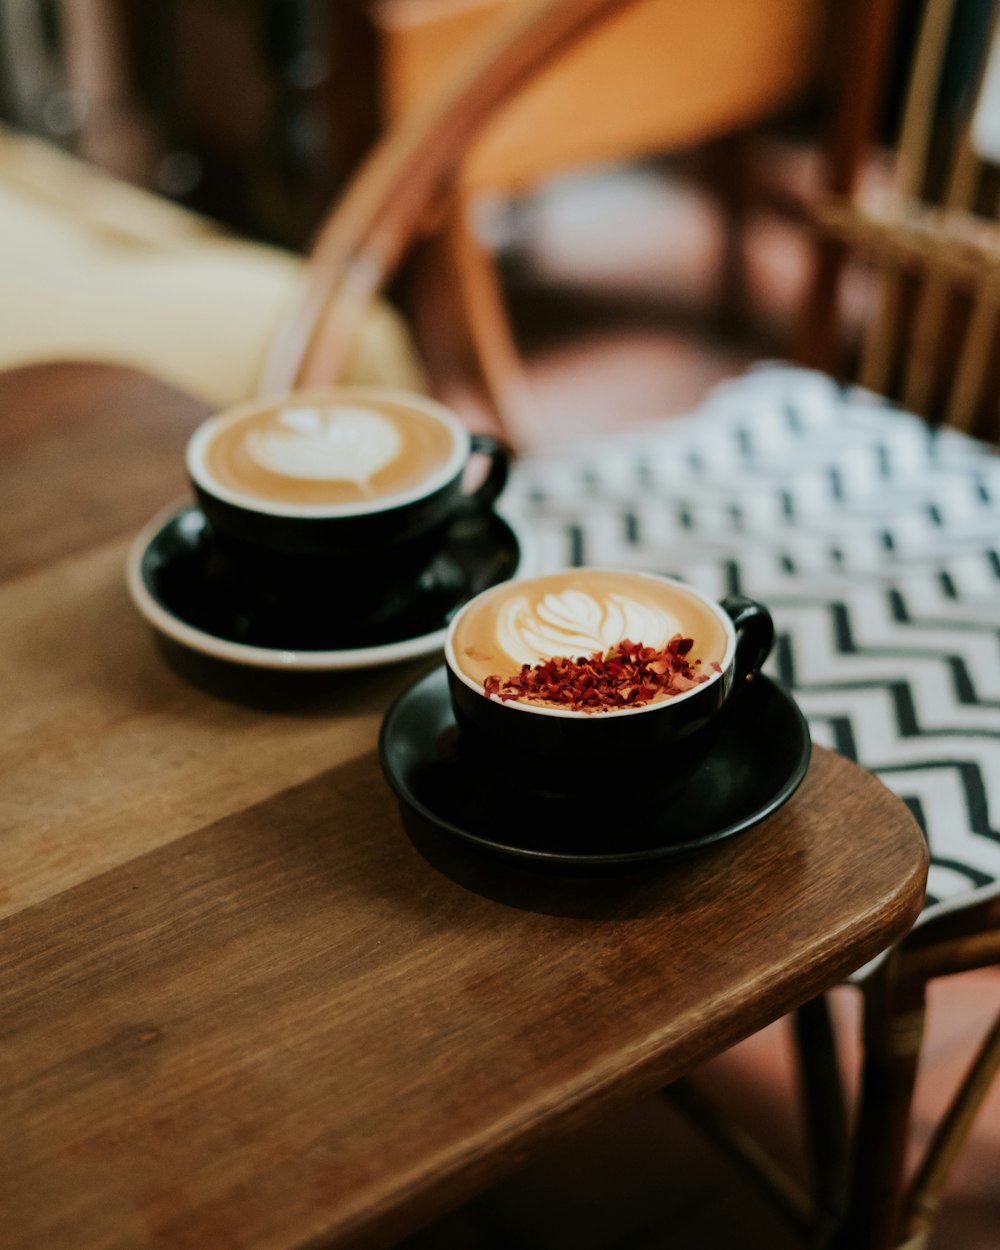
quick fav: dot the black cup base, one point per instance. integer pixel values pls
(650, 777)
(621, 816)
(367, 583)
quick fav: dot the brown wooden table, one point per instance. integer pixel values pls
(237, 1007)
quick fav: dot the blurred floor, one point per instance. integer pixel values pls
(617, 288)
(611, 296)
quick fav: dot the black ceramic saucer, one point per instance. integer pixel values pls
(183, 589)
(616, 819)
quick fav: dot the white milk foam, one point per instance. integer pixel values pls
(341, 443)
(573, 623)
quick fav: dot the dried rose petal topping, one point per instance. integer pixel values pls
(628, 675)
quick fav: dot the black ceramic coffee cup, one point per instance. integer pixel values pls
(338, 488)
(669, 738)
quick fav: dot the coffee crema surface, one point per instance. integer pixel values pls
(315, 452)
(576, 613)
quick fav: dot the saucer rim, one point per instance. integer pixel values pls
(611, 859)
(277, 658)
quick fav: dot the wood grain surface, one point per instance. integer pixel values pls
(238, 1007)
(87, 452)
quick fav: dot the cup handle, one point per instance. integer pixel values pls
(496, 476)
(754, 634)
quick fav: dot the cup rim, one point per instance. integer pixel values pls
(197, 443)
(725, 664)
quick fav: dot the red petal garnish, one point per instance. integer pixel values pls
(628, 675)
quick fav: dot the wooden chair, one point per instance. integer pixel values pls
(928, 238)
(862, 1198)
(657, 76)
(931, 239)
(407, 193)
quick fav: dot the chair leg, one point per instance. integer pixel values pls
(931, 1177)
(879, 343)
(727, 170)
(825, 1115)
(497, 355)
(817, 344)
(440, 327)
(893, 1032)
(970, 376)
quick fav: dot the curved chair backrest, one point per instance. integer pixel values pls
(393, 196)
(534, 95)
(930, 235)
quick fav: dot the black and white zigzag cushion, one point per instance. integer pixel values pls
(875, 542)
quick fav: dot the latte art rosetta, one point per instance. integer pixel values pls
(576, 612)
(572, 623)
(337, 444)
(319, 450)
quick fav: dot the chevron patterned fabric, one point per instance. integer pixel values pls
(875, 542)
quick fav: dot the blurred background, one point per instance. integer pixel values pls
(628, 289)
(658, 272)
(631, 282)
(253, 111)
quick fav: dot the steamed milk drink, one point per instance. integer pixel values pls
(316, 454)
(578, 613)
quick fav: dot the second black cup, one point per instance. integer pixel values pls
(346, 489)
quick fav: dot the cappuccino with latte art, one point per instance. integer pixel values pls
(345, 491)
(578, 613)
(316, 451)
(590, 665)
